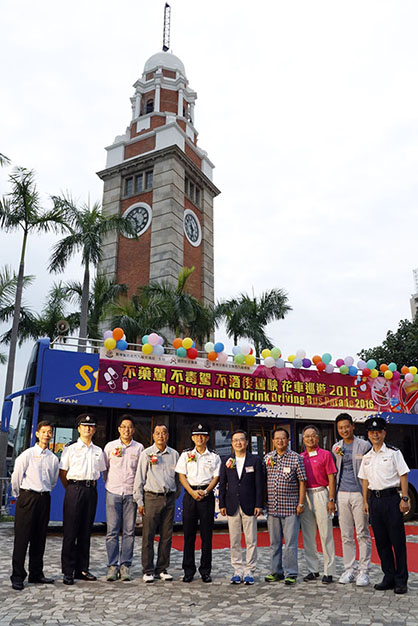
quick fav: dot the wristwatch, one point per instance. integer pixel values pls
(331, 500)
(405, 498)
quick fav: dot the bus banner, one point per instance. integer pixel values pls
(256, 385)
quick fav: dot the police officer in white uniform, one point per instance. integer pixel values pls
(198, 469)
(384, 472)
(80, 467)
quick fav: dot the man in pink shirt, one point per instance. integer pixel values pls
(320, 506)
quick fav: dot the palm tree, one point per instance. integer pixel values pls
(87, 228)
(21, 209)
(137, 316)
(103, 294)
(8, 282)
(247, 317)
(4, 160)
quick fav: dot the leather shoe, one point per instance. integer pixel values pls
(206, 578)
(401, 590)
(85, 576)
(42, 580)
(17, 585)
(384, 586)
(68, 580)
(187, 579)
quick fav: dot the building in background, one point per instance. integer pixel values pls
(414, 298)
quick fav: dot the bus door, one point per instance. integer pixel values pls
(326, 434)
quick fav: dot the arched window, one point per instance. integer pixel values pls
(149, 107)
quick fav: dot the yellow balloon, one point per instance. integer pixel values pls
(374, 373)
(110, 343)
(187, 343)
(265, 353)
(388, 374)
(413, 370)
(250, 359)
(147, 348)
(291, 358)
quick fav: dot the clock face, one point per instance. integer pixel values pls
(192, 228)
(139, 215)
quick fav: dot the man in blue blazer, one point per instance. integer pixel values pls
(241, 499)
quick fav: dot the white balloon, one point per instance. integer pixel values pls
(269, 361)
(300, 354)
(245, 348)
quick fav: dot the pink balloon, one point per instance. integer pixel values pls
(108, 334)
(160, 340)
(339, 362)
(396, 375)
(222, 357)
(409, 378)
(153, 339)
(329, 368)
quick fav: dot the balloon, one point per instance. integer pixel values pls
(306, 363)
(192, 353)
(181, 352)
(236, 350)
(361, 364)
(393, 367)
(158, 350)
(329, 368)
(245, 348)
(147, 348)
(405, 369)
(326, 358)
(275, 353)
(409, 378)
(266, 352)
(110, 343)
(219, 347)
(374, 373)
(279, 362)
(383, 367)
(371, 364)
(251, 351)
(320, 366)
(107, 334)
(291, 358)
(300, 354)
(121, 344)
(388, 374)
(209, 346)
(352, 370)
(212, 356)
(177, 343)
(396, 375)
(187, 343)
(413, 370)
(144, 339)
(239, 358)
(117, 333)
(249, 359)
(366, 371)
(344, 369)
(222, 357)
(316, 359)
(297, 363)
(339, 362)
(416, 378)
(269, 361)
(348, 360)
(153, 339)
(160, 340)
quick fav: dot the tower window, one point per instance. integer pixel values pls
(149, 107)
(192, 191)
(148, 179)
(129, 184)
(138, 183)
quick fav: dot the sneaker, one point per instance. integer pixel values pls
(125, 573)
(290, 580)
(248, 580)
(311, 576)
(362, 579)
(347, 577)
(112, 573)
(236, 580)
(148, 578)
(274, 578)
(326, 580)
(164, 576)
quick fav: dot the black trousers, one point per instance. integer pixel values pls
(198, 513)
(31, 523)
(159, 516)
(79, 510)
(389, 532)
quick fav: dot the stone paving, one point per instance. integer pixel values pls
(219, 603)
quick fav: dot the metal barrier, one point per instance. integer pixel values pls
(4, 491)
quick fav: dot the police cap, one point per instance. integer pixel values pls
(85, 420)
(200, 429)
(375, 423)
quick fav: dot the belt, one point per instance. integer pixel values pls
(159, 493)
(40, 493)
(315, 489)
(83, 483)
(195, 487)
(384, 493)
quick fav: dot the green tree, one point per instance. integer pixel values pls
(400, 347)
(138, 316)
(247, 317)
(8, 283)
(4, 160)
(87, 228)
(21, 209)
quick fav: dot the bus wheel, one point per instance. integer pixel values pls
(413, 502)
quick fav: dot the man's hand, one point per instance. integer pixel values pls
(222, 511)
(366, 508)
(331, 507)
(141, 510)
(257, 511)
(197, 494)
(300, 509)
(404, 507)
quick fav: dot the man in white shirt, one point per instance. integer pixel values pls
(80, 467)
(198, 470)
(122, 457)
(34, 476)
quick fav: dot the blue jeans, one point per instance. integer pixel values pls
(120, 514)
(287, 527)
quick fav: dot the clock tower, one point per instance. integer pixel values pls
(157, 177)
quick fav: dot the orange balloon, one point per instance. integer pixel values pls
(117, 333)
(177, 343)
(316, 359)
(405, 370)
(212, 356)
(383, 367)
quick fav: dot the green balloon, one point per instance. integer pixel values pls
(344, 369)
(239, 358)
(275, 353)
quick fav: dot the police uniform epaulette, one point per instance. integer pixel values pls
(212, 450)
(70, 443)
(388, 445)
(187, 450)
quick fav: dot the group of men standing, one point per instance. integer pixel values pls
(299, 491)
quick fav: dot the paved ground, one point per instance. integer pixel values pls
(219, 603)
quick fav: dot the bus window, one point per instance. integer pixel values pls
(258, 443)
(223, 442)
(62, 436)
(402, 437)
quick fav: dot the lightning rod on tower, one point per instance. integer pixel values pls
(166, 32)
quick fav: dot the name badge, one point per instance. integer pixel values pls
(286, 470)
(315, 453)
(250, 468)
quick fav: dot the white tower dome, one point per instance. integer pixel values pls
(166, 60)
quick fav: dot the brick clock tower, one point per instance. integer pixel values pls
(157, 177)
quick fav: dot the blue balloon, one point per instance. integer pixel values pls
(297, 363)
(352, 370)
(145, 339)
(279, 362)
(121, 344)
(158, 350)
(219, 347)
(236, 350)
(371, 364)
(194, 344)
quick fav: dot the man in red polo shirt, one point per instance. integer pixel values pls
(320, 506)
